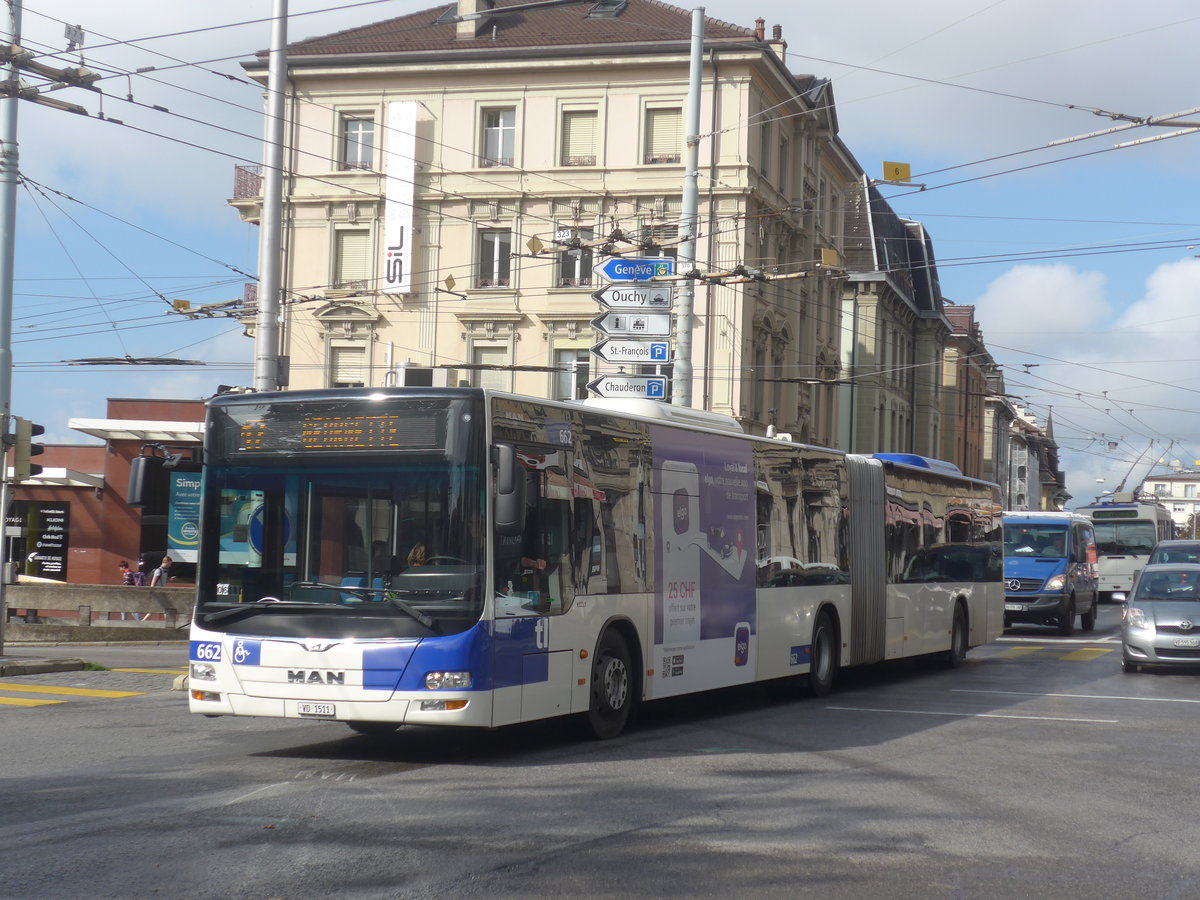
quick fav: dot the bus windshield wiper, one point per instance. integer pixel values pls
(257, 606)
(390, 596)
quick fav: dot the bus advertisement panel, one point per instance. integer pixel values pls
(704, 623)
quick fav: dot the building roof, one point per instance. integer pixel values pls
(639, 21)
(140, 430)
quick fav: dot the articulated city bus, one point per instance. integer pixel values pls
(382, 557)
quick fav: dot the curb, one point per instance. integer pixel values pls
(11, 667)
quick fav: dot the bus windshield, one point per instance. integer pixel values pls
(1125, 537)
(400, 544)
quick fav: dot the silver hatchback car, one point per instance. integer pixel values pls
(1160, 622)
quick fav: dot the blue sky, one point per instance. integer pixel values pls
(1082, 269)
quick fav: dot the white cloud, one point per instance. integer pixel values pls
(1035, 306)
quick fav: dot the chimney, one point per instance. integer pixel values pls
(469, 30)
(760, 29)
(777, 32)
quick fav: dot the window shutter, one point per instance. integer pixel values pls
(353, 257)
(579, 138)
(348, 366)
(664, 135)
(498, 379)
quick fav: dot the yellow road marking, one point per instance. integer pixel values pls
(1083, 654)
(26, 701)
(154, 671)
(69, 691)
(1018, 651)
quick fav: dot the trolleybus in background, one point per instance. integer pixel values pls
(463, 557)
(1126, 532)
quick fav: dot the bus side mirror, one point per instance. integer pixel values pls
(510, 492)
(144, 481)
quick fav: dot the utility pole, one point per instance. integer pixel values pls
(689, 218)
(266, 328)
(9, 177)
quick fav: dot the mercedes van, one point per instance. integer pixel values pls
(1050, 570)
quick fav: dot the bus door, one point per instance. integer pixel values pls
(535, 580)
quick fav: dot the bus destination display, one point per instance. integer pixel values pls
(321, 433)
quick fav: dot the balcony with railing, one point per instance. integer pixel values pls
(247, 182)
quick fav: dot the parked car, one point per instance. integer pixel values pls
(1160, 622)
(1174, 552)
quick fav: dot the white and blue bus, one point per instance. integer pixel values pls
(1126, 532)
(393, 556)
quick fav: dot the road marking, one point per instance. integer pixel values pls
(1014, 652)
(964, 715)
(1084, 654)
(1078, 696)
(26, 701)
(1051, 641)
(69, 691)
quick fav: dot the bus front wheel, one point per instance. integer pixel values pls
(824, 661)
(957, 654)
(612, 687)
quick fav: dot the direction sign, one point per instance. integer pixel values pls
(625, 323)
(641, 387)
(617, 350)
(643, 296)
(622, 269)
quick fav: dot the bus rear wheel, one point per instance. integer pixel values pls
(611, 688)
(824, 660)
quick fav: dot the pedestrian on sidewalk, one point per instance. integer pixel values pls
(126, 573)
(162, 574)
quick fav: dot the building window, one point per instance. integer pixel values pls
(1160, 490)
(499, 137)
(348, 365)
(573, 368)
(661, 240)
(1189, 490)
(579, 137)
(766, 136)
(575, 265)
(495, 259)
(664, 136)
(492, 369)
(351, 259)
(785, 166)
(358, 142)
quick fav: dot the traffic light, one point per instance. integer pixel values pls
(24, 449)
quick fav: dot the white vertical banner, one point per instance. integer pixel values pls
(400, 169)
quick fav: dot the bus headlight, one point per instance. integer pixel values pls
(442, 681)
(1056, 582)
(203, 672)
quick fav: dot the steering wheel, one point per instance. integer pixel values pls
(445, 559)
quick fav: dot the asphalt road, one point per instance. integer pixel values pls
(1037, 769)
